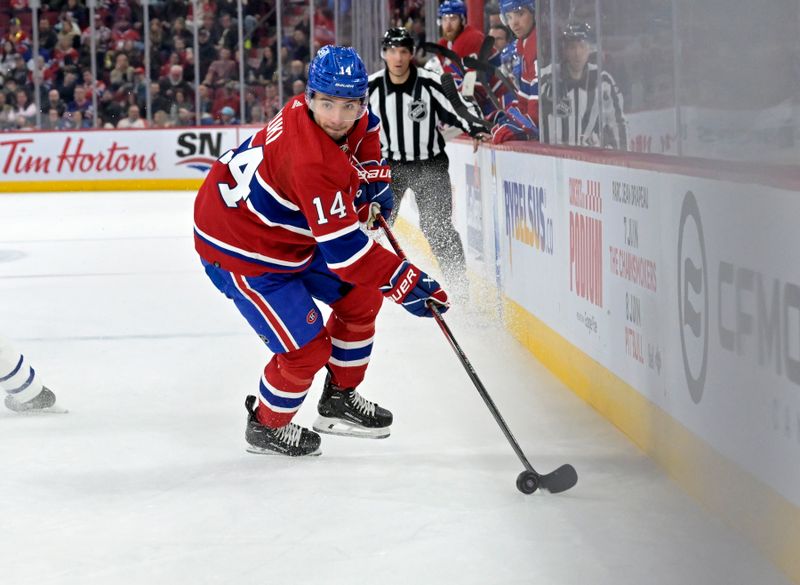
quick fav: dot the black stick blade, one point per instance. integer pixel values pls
(559, 480)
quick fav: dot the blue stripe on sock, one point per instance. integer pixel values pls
(280, 401)
(25, 385)
(349, 355)
(14, 371)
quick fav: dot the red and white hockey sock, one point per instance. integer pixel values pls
(286, 381)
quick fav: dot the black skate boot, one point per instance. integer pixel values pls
(343, 411)
(292, 440)
(44, 402)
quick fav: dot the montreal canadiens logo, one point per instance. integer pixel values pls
(311, 317)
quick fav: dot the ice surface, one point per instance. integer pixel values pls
(146, 480)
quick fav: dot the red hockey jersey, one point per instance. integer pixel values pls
(529, 82)
(287, 193)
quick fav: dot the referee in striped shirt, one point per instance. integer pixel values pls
(581, 106)
(411, 105)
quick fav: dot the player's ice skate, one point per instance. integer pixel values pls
(343, 411)
(42, 403)
(291, 440)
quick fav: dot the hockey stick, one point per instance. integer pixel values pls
(451, 93)
(487, 67)
(483, 76)
(529, 480)
(444, 52)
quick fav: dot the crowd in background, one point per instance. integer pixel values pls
(65, 62)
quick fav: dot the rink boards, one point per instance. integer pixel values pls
(669, 299)
(666, 297)
(108, 160)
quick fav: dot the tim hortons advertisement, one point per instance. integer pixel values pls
(113, 154)
(733, 364)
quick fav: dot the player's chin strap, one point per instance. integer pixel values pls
(529, 480)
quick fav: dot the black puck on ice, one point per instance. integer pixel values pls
(527, 482)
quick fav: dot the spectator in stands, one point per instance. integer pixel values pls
(272, 102)
(298, 87)
(296, 71)
(250, 101)
(109, 110)
(78, 12)
(102, 35)
(17, 37)
(179, 31)
(227, 117)
(222, 70)
(25, 110)
(207, 52)
(185, 118)
(54, 102)
(173, 82)
(66, 26)
(81, 103)
(159, 101)
(6, 112)
(206, 103)
(228, 34)
(226, 96)
(133, 120)
(267, 68)
(256, 115)
(47, 36)
(89, 86)
(299, 45)
(181, 101)
(52, 121)
(19, 72)
(122, 74)
(73, 121)
(161, 120)
(67, 86)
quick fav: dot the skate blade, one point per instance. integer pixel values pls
(343, 428)
(258, 451)
(55, 409)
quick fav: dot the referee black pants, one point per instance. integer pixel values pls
(430, 181)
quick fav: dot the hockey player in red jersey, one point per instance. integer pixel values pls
(458, 36)
(277, 226)
(520, 121)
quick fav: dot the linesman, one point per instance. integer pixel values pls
(411, 105)
(574, 110)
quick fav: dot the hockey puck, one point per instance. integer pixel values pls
(527, 482)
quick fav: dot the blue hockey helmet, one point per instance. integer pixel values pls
(507, 6)
(448, 7)
(338, 72)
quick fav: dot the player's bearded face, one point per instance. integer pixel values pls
(336, 116)
(451, 26)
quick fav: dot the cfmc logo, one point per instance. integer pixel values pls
(693, 296)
